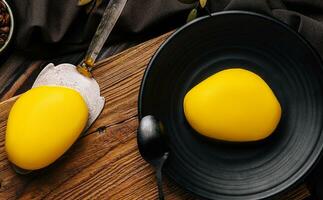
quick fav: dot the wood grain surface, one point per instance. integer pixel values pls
(105, 162)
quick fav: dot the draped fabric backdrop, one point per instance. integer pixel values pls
(44, 24)
(47, 28)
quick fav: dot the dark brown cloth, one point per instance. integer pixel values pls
(44, 26)
(47, 27)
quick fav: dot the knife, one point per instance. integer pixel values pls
(110, 16)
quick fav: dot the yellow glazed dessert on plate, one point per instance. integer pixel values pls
(233, 105)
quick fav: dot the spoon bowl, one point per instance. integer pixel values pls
(152, 146)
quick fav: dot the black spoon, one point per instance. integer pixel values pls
(152, 147)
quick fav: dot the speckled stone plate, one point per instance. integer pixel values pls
(290, 66)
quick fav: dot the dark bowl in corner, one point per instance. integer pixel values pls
(7, 25)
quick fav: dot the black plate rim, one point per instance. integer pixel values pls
(311, 164)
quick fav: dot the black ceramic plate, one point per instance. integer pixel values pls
(283, 59)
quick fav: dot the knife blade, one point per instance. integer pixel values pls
(110, 16)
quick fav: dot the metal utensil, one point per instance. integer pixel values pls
(109, 19)
(79, 77)
(152, 147)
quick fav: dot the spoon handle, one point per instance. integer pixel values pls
(110, 16)
(159, 176)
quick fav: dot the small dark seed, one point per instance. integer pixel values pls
(2, 41)
(4, 29)
(6, 19)
(4, 36)
(2, 5)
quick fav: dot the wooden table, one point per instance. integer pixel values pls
(105, 162)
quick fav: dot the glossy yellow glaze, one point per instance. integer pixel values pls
(43, 123)
(233, 105)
